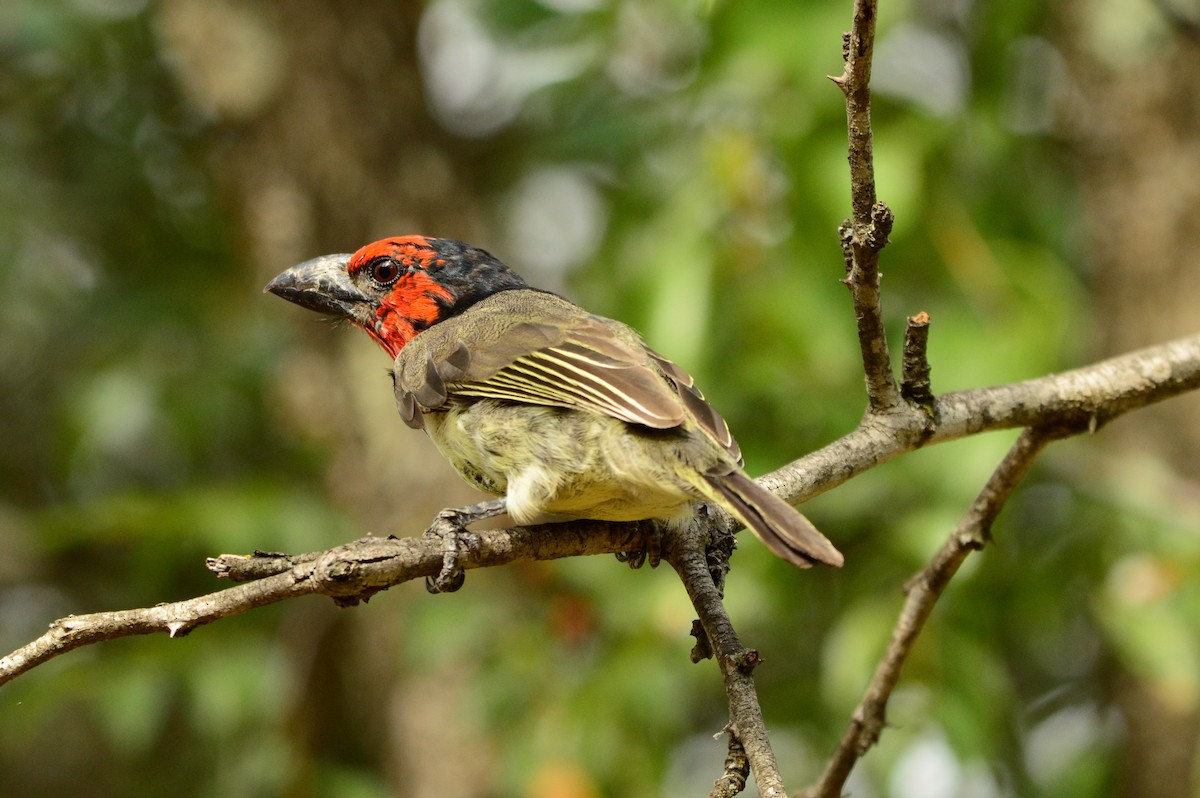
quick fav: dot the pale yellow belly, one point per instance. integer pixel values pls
(547, 460)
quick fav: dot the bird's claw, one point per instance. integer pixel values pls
(651, 549)
(449, 526)
(447, 581)
(634, 559)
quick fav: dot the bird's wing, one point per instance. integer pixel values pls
(584, 366)
(567, 358)
(704, 414)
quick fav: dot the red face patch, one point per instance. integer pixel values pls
(408, 251)
(411, 303)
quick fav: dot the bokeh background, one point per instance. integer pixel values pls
(676, 164)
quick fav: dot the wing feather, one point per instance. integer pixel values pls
(609, 385)
(572, 360)
(513, 383)
(705, 414)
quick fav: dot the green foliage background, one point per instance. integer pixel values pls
(678, 165)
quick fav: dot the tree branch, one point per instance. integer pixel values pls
(923, 591)
(685, 552)
(348, 573)
(870, 224)
(1084, 399)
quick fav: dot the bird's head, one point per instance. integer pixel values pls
(396, 287)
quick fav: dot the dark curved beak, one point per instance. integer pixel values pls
(321, 284)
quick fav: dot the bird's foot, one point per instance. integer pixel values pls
(651, 549)
(450, 527)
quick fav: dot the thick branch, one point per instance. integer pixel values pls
(1084, 399)
(923, 591)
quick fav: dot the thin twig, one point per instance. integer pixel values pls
(685, 552)
(870, 223)
(923, 591)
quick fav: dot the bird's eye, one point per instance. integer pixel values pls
(385, 271)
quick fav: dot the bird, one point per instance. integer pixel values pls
(535, 401)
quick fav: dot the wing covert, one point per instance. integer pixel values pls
(568, 358)
(589, 368)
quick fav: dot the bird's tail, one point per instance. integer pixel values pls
(776, 523)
